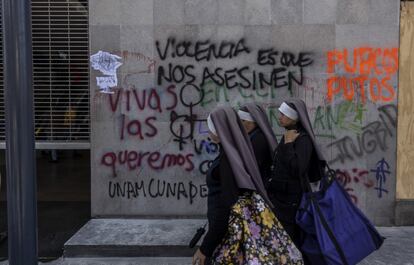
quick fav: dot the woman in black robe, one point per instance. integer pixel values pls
(232, 173)
(257, 125)
(297, 157)
(238, 203)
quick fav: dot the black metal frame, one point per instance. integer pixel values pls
(20, 144)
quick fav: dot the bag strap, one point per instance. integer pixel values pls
(200, 232)
(325, 223)
(330, 233)
(305, 182)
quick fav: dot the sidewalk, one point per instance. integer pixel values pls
(398, 249)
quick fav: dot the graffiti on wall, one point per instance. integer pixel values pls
(191, 78)
(156, 188)
(353, 179)
(382, 170)
(346, 115)
(187, 85)
(357, 180)
(364, 72)
(373, 137)
(278, 74)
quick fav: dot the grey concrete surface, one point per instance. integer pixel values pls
(116, 261)
(398, 249)
(133, 237)
(105, 239)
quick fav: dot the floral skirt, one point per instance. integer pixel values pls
(255, 236)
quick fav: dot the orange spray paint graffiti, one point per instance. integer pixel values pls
(365, 71)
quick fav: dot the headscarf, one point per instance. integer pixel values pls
(211, 126)
(259, 116)
(288, 111)
(305, 122)
(239, 150)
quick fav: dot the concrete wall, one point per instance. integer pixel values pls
(149, 151)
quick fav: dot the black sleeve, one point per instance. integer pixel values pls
(219, 215)
(303, 153)
(261, 151)
(298, 155)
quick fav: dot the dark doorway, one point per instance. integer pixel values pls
(63, 183)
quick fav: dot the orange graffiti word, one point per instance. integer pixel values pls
(364, 61)
(377, 89)
(368, 73)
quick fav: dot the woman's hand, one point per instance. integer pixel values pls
(290, 136)
(199, 258)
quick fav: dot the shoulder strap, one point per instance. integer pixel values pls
(330, 233)
(306, 185)
(325, 223)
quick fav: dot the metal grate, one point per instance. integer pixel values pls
(60, 72)
(2, 114)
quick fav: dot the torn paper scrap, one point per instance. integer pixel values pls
(105, 62)
(106, 82)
